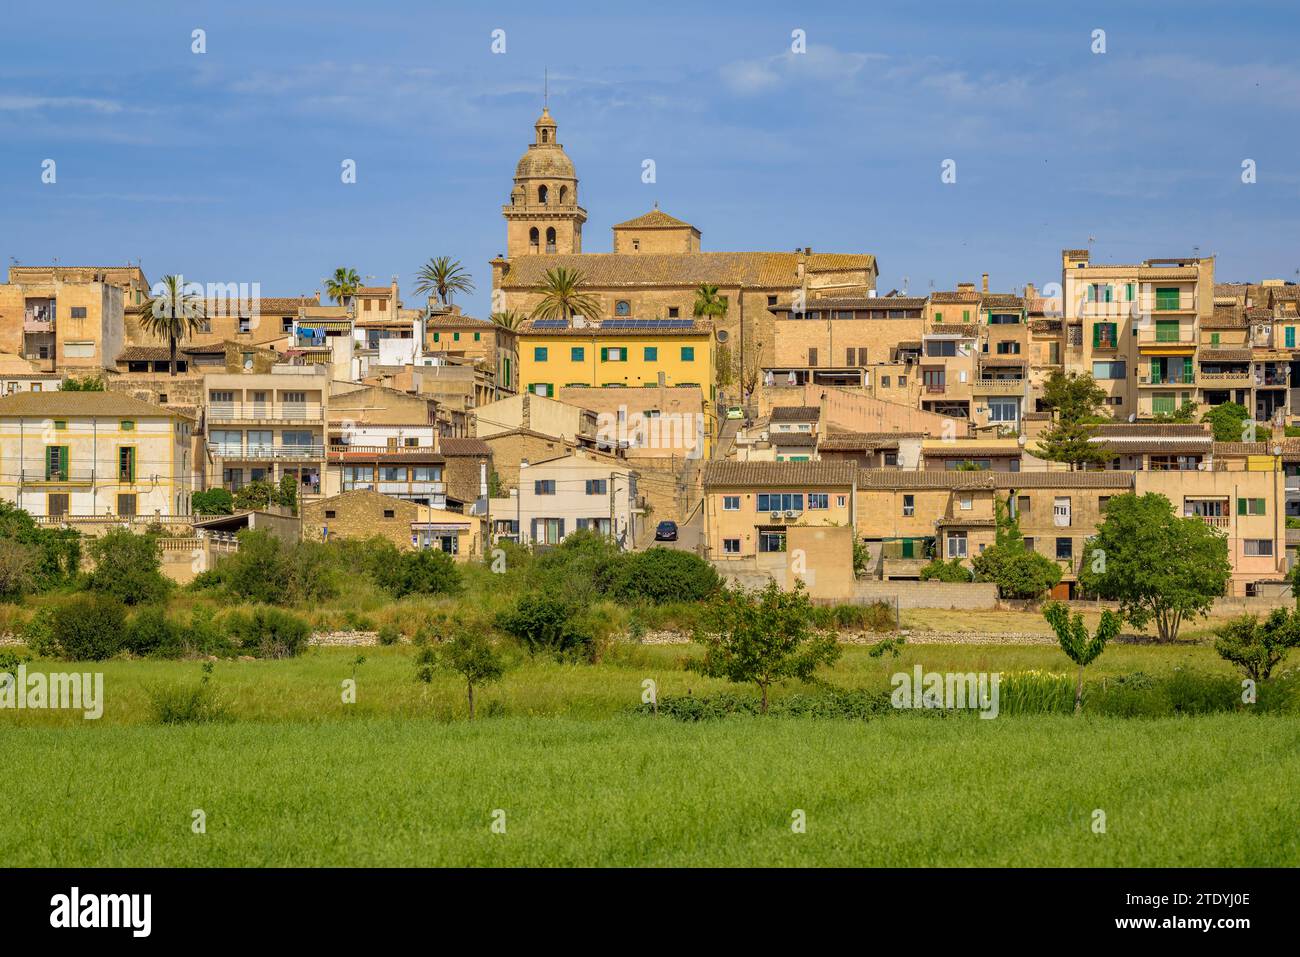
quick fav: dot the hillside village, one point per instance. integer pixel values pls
(761, 409)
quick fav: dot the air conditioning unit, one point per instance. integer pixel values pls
(791, 513)
(776, 516)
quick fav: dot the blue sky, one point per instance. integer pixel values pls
(225, 166)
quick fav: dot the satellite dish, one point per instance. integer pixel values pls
(1132, 417)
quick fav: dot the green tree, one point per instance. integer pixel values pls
(343, 285)
(215, 501)
(950, 571)
(257, 494)
(564, 296)
(128, 567)
(1017, 571)
(57, 558)
(1074, 400)
(287, 493)
(444, 277)
(762, 637)
(173, 312)
(1072, 634)
(545, 622)
(726, 362)
(425, 571)
(470, 654)
(861, 557)
(709, 304)
(259, 570)
(1186, 413)
(1155, 564)
(510, 319)
(87, 383)
(1258, 647)
(1230, 423)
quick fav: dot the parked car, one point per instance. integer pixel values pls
(735, 412)
(666, 532)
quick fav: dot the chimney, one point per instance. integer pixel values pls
(986, 282)
(318, 297)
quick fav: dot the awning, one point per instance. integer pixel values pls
(439, 527)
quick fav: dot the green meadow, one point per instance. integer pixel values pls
(562, 761)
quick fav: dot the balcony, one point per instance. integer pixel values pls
(1223, 378)
(999, 386)
(35, 325)
(1173, 378)
(1216, 521)
(409, 489)
(1183, 302)
(1152, 338)
(268, 453)
(72, 475)
(264, 412)
(935, 388)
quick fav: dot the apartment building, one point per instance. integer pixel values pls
(449, 332)
(578, 491)
(749, 507)
(616, 353)
(868, 342)
(66, 321)
(263, 426)
(1135, 328)
(83, 454)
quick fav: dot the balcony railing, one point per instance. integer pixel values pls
(73, 475)
(1000, 386)
(32, 324)
(264, 411)
(260, 453)
(1173, 378)
(935, 388)
(1216, 521)
(1241, 376)
(1151, 336)
(412, 488)
(1184, 302)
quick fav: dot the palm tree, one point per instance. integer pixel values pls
(709, 303)
(443, 277)
(343, 284)
(172, 313)
(510, 319)
(563, 296)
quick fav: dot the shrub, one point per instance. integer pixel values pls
(188, 704)
(215, 501)
(88, 627)
(583, 567)
(1017, 571)
(17, 570)
(950, 571)
(662, 575)
(311, 573)
(127, 567)
(1258, 647)
(549, 624)
(38, 634)
(268, 632)
(259, 571)
(388, 635)
(151, 633)
(426, 571)
(57, 557)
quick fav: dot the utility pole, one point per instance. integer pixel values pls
(612, 477)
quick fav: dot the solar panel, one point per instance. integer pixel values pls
(551, 324)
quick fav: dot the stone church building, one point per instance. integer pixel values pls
(657, 263)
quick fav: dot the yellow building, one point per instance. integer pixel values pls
(616, 354)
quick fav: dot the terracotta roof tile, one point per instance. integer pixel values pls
(779, 474)
(80, 403)
(763, 270)
(655, 219)
(795, 413)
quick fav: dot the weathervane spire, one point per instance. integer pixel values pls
(546, 88)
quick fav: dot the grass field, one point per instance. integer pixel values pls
(636, 791)
(296, 777)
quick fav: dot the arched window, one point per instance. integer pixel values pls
(622, 308)
(532, 238)
(546, 135)
(564, 194)
(541, 195)
(550, 239)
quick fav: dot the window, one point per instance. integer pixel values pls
(1004, 410)
(542, 192)
(577, 354)
(1162, 403)
(884, 382)
(780, 502)
(909, 505)
(1061, 510)
(771, 541)
(731, 503)
(956, 544)
(1166, 330)
(1100, 292)
(622, 308)
(1250, 506)
(674, 312)
(1115, 369)
(1065, 549)
(818, 500)
(544, 389)
(941, 347)
(812, 357)
(731, 546)
(1022, 504)
(891, 459)
(437, 336)
(544, 487)
(1167, 298)
(613, 354)
(1290, 337)
(455, 337)
(840, 500)
(1008, 347)
(539, 353)
(771, 300)
(478, 336)
(389, 513)
(965, 502)
(60, 424)
(126, 505)
(1105, 335)
(56, 463)
(1029, 543)
(78, 312)
(1259, 547)
(597, 486)
(651, 354)
(688, 353)
(128, 425)
(57, 504)
(126, 464)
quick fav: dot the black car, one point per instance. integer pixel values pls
(666, 532)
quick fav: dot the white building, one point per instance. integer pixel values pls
(94, 453)
(567, 494)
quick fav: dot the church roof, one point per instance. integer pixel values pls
(762, 270)
(655, 219)
(547, 159)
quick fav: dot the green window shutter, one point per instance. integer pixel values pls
(1092, 293)
(1096, 334)
(604, 353)
(1259, 506)
(1290, 337)
(435, 336)
(1241, 506)
(965, 315)
(478, 336)
(1187, 369)
(455, 336)
(1128, 292)
(688, 353)
(1214, 338)
(938, 317)
(651, 353)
